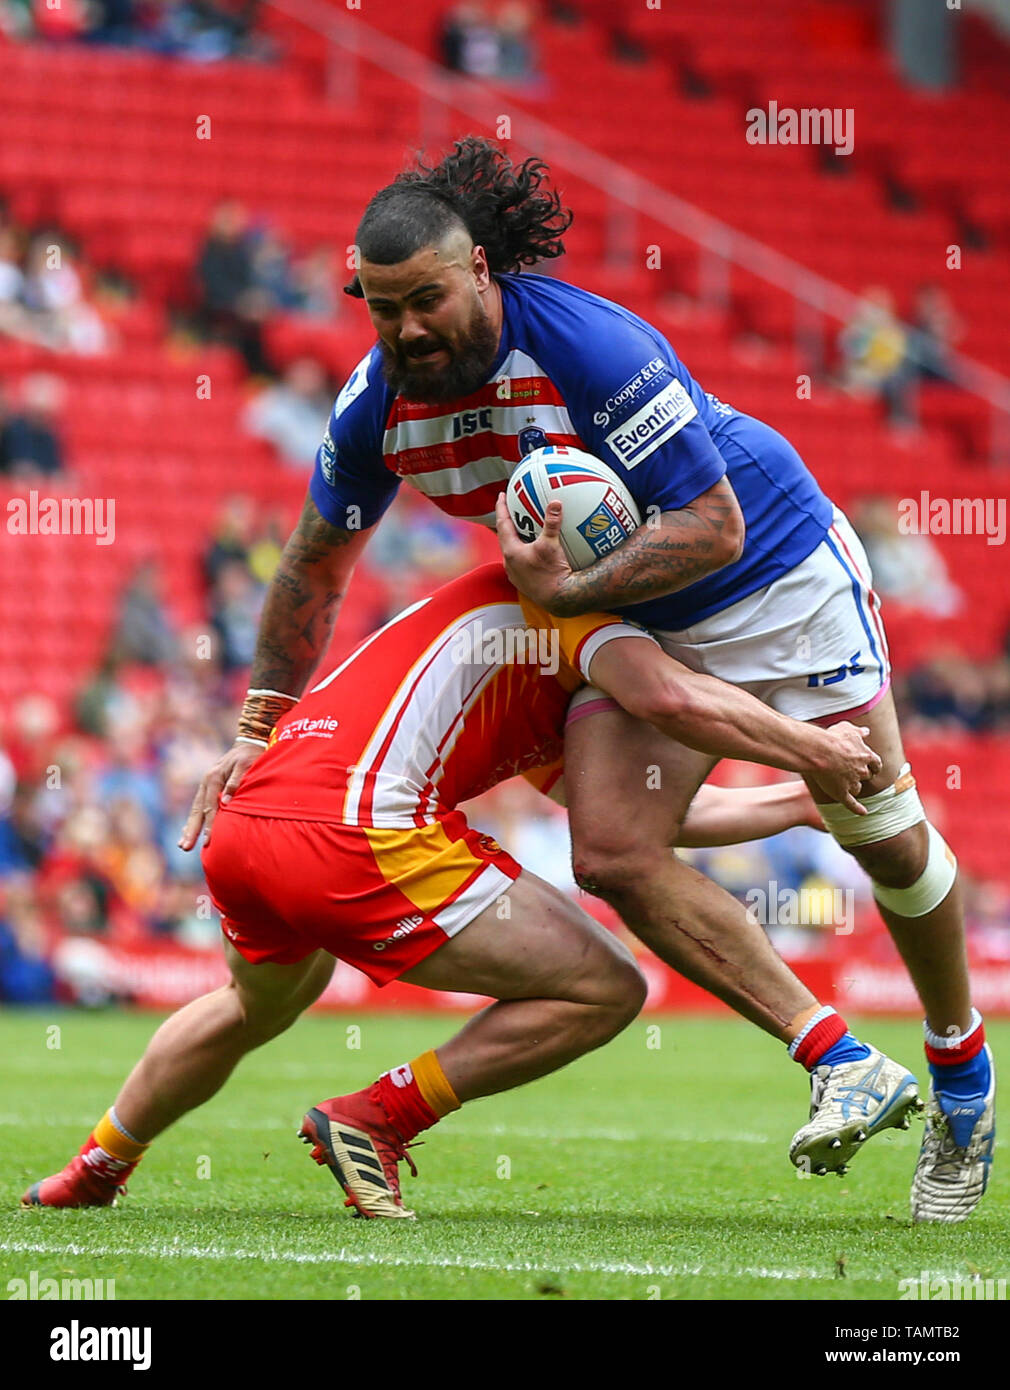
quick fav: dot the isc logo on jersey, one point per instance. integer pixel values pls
(599, 511)
(667, 412)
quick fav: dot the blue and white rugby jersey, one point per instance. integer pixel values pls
(576, 369)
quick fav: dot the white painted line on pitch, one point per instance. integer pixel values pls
(179, 1251)
(463, 1131)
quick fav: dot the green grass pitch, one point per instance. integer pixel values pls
(653, 1169)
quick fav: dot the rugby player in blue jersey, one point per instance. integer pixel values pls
(747, 572)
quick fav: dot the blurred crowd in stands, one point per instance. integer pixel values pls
(91, 807)
(245, 274)
(199, 30)
(493, 43)
(31, 447)
(42, 297)
(884, 358)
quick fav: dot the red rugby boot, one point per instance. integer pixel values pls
(90, 1179)
(352, 1136)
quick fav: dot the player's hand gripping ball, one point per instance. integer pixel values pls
(599, 511)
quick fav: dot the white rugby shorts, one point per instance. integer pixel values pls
(811, 645)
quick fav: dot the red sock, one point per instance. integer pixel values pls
(817, 1036)
(955, 1050)
(400, 1097)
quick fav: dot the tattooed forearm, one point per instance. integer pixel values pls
(658, 560)
(302, 602)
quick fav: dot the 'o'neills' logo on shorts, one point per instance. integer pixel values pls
(403, 928)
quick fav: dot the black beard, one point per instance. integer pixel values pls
(468, 367)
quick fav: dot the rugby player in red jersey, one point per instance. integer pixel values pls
(345, 841)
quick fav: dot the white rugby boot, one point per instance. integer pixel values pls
(850, 1103)
(956, 1155)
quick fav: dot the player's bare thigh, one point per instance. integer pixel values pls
(269, 993)
(626, 785)
(533, 943)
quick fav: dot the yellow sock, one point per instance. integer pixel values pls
(433, 1084)
(115, 1142)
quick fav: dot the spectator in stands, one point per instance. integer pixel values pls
(469, 40)
(317, 283)
(235, 613)
(103, 700)
(292, 414)
(25, 975)
(516, 55)
(233, 536)
(951, 689)
(12, 853)
(874, 349)
(907, 568)
(130, 859)
(145, 633)
(232, 307)
(15, 18)
(12, 282)
(113, 21)
(129, 772)
(34, 725)
(480, 44)
(937, 330)
(30, 444)
(58, 315)
(266, 551)
(987, 916)
(272, 272)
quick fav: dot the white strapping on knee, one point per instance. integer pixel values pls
(889, 812)
(930, 888)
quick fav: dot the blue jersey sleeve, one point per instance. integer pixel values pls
(351, 485)
(633, 404)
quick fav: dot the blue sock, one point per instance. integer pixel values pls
(848, 1048)
(963, 1079)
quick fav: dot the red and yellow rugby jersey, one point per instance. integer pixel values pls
(457, 693)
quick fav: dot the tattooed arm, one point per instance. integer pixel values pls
(302, 602)
(298, 616)
(686, 545)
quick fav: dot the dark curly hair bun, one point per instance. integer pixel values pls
(504, 206)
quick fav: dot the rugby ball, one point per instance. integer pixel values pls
(599, 511)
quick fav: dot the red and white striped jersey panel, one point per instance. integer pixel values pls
(396, 781)
(459, 692)
(463, 472)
